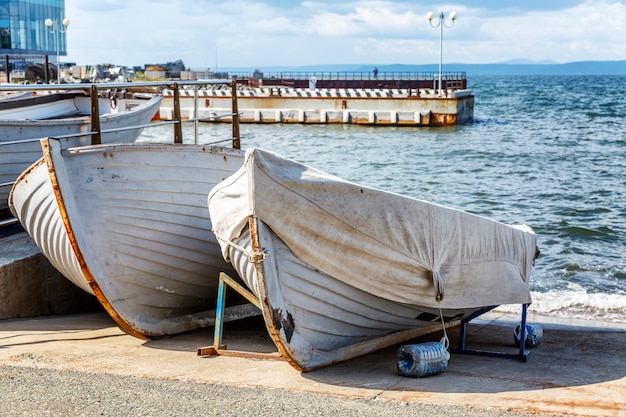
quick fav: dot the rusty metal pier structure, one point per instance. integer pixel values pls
(366, 98)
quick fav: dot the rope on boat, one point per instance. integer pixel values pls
(253, 257)
(438, 283)
(444, 340)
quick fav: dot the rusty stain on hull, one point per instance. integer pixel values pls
(124, 325)
(266, 309)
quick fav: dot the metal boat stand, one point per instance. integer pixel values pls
(523, 353)
(218, 348)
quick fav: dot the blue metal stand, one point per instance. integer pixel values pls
(218, 348)
(523, 352)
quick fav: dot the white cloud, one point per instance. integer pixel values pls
(573, 34)
(279, 33)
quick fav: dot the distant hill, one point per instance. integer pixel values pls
(514, 67)
(571, 68)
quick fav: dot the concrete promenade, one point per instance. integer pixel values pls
(579, 369)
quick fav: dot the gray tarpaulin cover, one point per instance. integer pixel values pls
(393, 246)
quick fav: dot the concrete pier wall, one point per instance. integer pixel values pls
(31, 287)
(369, 107)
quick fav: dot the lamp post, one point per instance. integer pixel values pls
(56, 28)
(441, 24)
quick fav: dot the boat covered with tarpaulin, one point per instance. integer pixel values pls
(343, 269)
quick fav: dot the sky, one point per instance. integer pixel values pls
(230, 34)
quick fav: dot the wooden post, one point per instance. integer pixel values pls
(96, 136)
(178, 127)
(7, 68)
(47, 69)
(235, 117)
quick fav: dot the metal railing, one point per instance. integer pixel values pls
(350, 75)
(96, 90)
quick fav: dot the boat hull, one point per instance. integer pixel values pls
(316, 320)
(135, 218)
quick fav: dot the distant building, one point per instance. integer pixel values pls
(170, 69)
(196, 75)
(25, 40)
(91, 73)
(155, 72)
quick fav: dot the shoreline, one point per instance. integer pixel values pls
(548, 320)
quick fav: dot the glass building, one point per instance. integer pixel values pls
(24, 37)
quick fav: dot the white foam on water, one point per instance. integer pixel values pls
(575, 303)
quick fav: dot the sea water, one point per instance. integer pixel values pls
(546, 151)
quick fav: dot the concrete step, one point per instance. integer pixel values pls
(31, 287)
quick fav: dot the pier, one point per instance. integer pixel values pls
(385, 99)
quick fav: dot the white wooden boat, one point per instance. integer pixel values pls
(130, 221)
(343, 269)
(24, 121)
